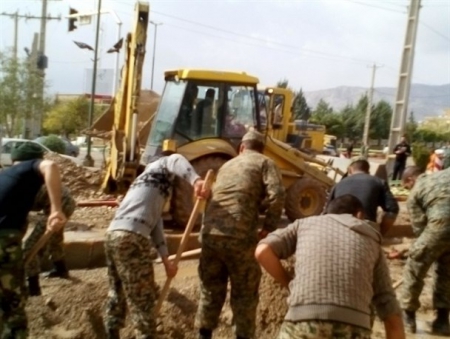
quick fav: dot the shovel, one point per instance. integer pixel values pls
(199, 207)
(36, 248)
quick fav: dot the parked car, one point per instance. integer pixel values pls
(71, 149)
(8, 144)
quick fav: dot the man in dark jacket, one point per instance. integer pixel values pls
(402, 151)
(371, 191)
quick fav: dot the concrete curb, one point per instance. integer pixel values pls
(85, 249)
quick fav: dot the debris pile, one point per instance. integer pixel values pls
(83, 182)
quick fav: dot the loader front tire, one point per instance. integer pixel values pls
(305, 198)
(183, 194)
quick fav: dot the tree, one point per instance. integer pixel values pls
(380, 121)
(19, 85)
(323, 108)
(301, 109)
(69, 117)
(411, 126)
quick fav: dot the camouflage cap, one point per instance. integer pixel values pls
(253, 135)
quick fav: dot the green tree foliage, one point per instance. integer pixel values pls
(69, 117)
(323, 109)
(55, 144)
(421, 155)
(19, 88)
(411, 126)
(380, 121)
(301, 109)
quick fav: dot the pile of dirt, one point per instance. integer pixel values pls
(83, 182)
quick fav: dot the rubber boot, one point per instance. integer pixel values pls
(59, 270)
(34, 289)
(205, 333)
(409, 319)
(440, 324)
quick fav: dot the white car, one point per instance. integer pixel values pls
(8, 144)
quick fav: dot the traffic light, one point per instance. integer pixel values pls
(42, 62)
(72, 20)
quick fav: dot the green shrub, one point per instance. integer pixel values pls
(55, 144)
(421, 155)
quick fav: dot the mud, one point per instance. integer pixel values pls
(72, 309)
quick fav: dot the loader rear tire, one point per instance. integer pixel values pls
(183, 194)
(305, 198)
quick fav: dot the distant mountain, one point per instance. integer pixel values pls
(424, 100)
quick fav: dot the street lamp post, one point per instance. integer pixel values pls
(154, 50)
(88, 161)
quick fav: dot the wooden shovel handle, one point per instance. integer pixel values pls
(198, 208)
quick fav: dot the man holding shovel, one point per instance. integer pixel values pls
(230, 234)
(128, 248)
(19, 186)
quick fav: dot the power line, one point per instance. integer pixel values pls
(298, 54)
(259, 39)
(435, 31)
(376, 6)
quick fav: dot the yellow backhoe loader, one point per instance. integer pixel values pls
(207, 113)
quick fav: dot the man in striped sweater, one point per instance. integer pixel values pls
(339, 270)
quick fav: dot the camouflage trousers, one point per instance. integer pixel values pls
(131, 283)
(321, 330)
(429, 248)
(13, 293)
(222, 259)
(53, 249)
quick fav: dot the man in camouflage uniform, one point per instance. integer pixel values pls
(128, 248)
(19, 186)
(55, 246)
(230, 234)
(429, 207)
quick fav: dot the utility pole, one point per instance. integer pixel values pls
(400, 113)
(154, 50)
(369, 108)
(88, 161)
(32, 95)
(16, 34)
(15, 16)
(42, 61)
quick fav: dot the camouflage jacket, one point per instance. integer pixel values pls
(242, 185)
(446, 158)
(429, 203)
(42, 202)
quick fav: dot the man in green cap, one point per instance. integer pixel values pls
(19, 186)
(230, 234)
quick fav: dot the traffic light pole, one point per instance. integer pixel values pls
(88, 161)
(74, 16)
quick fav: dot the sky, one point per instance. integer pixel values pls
(315, 44)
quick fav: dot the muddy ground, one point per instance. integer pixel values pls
(72, 309)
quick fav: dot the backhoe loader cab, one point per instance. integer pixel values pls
(198, 105)
(208, 112)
